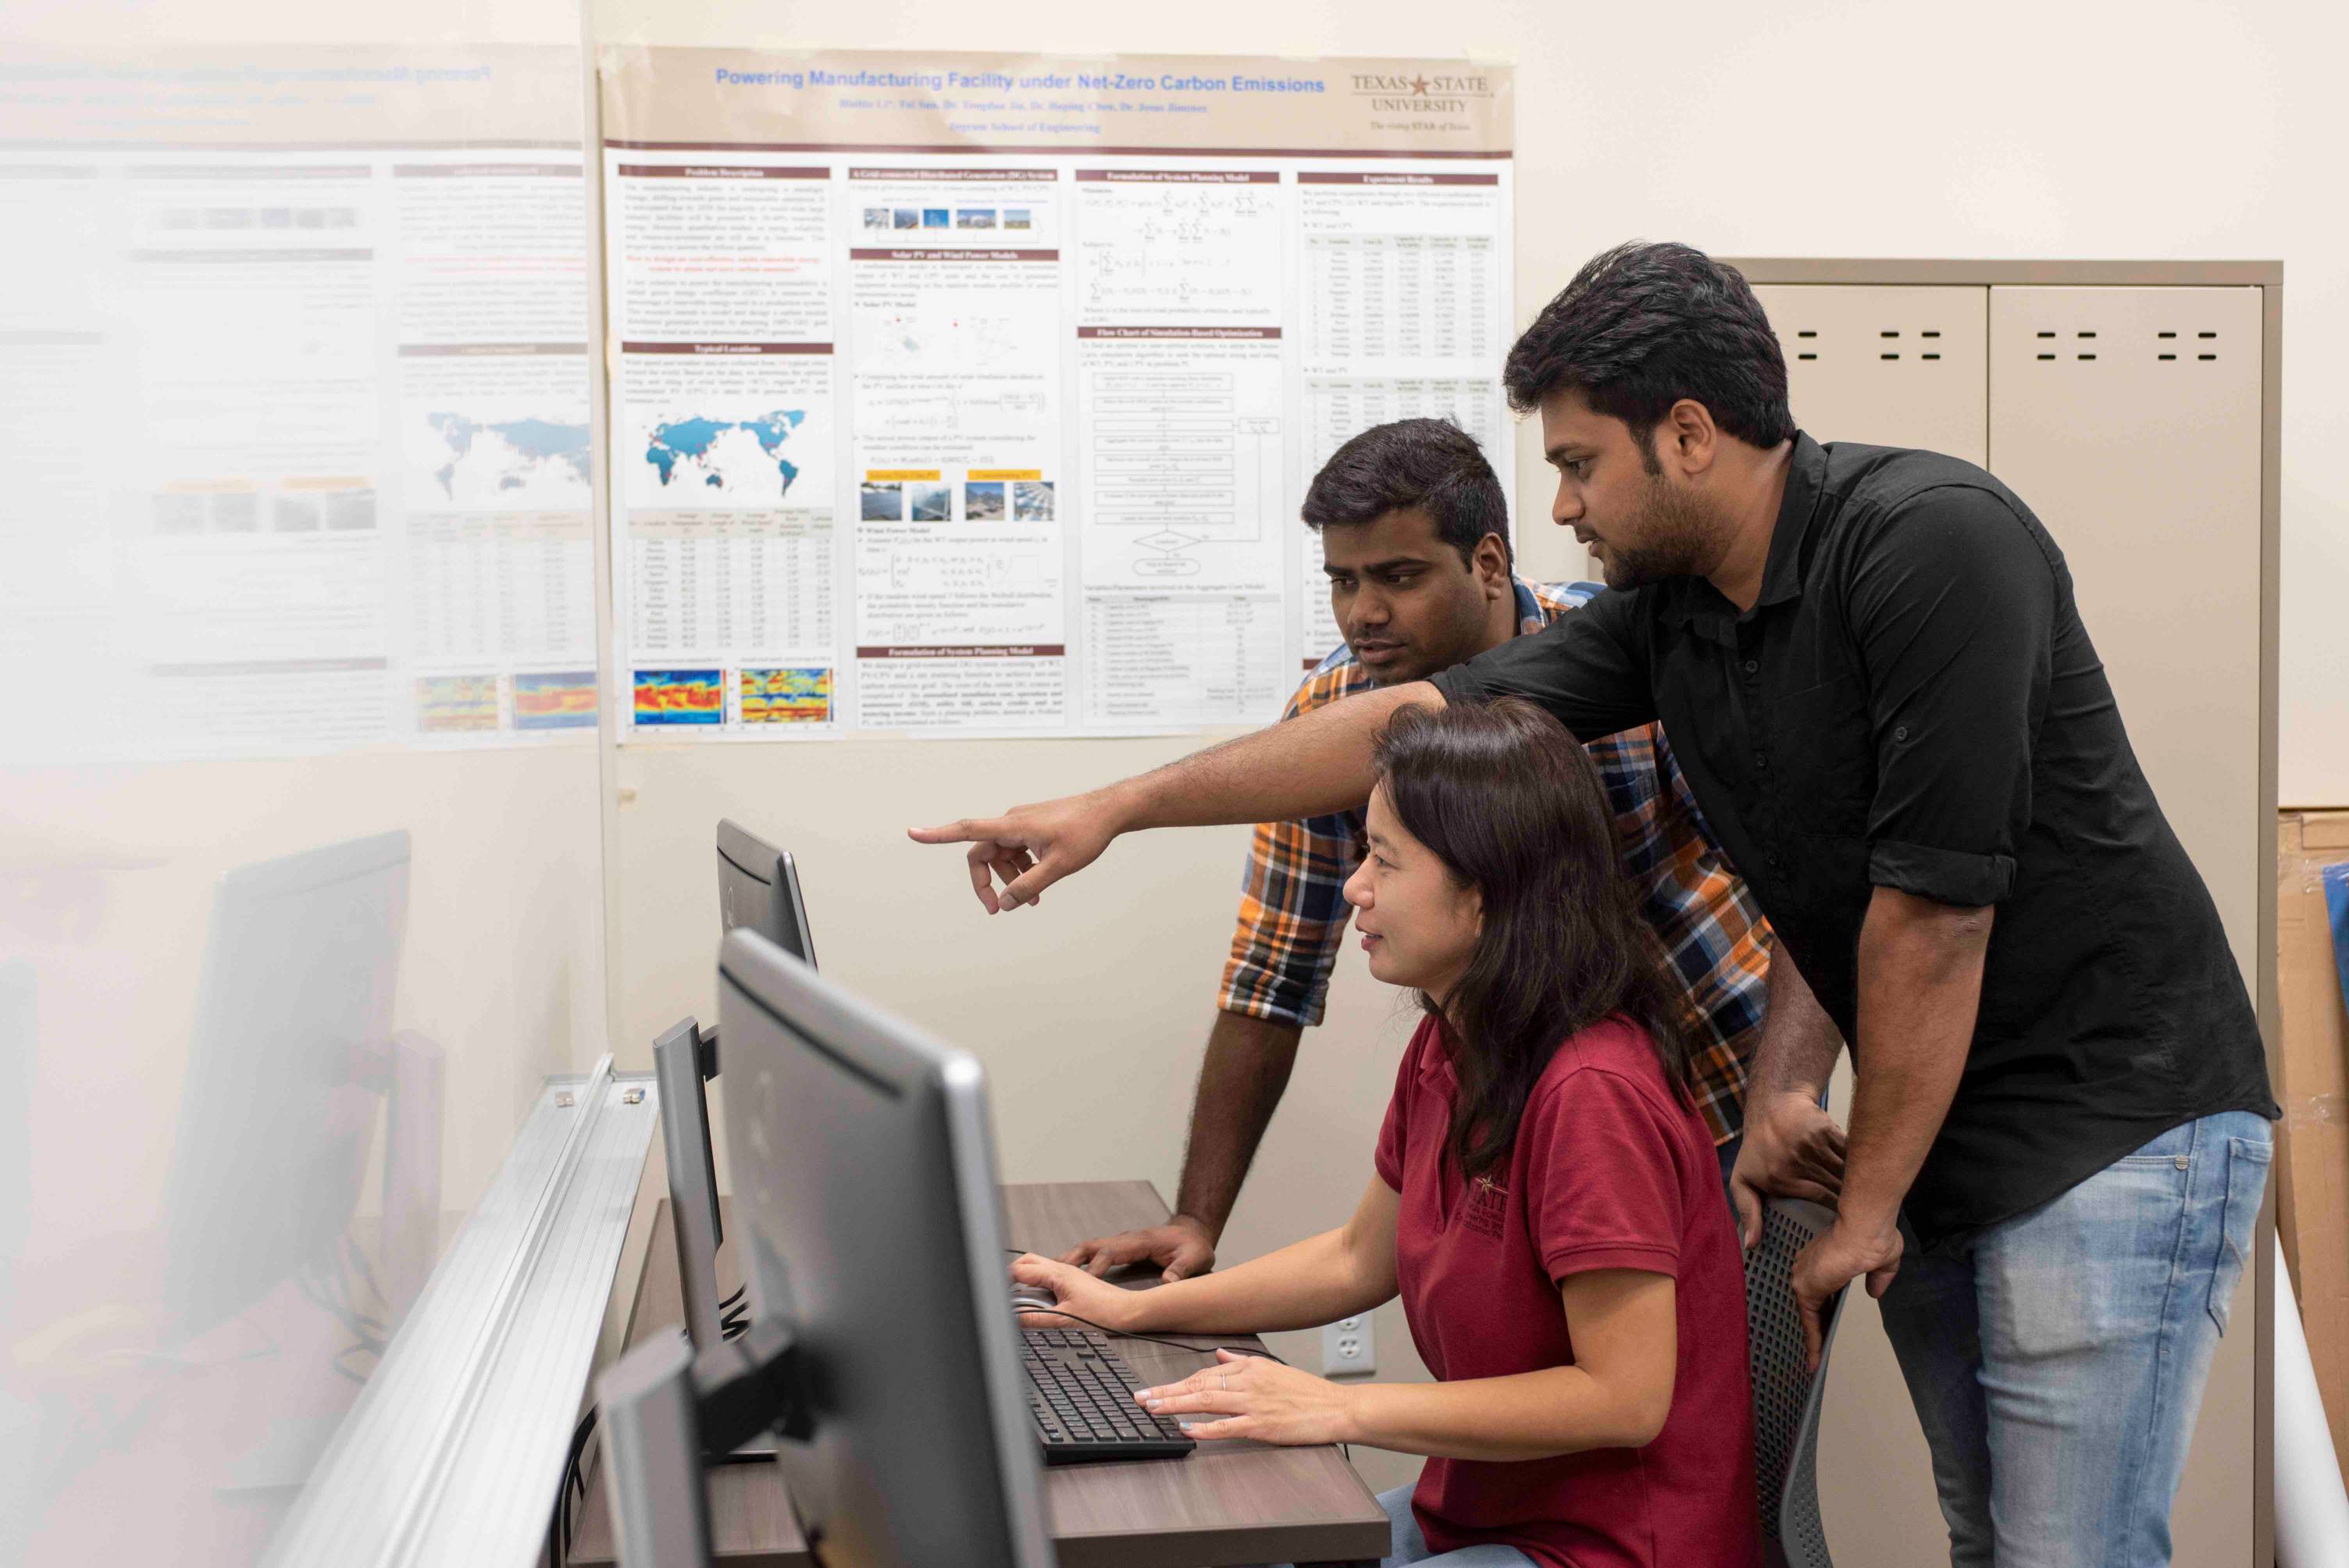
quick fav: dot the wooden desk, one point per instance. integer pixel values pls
(1233, 1502)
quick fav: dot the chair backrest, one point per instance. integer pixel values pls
(1786, 1395)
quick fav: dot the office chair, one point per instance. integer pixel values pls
(1786, 1397)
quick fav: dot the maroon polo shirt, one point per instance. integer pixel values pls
(1609, 1170)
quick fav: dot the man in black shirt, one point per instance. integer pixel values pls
(1872, 668)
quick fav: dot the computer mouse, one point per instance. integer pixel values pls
(1033, 1298)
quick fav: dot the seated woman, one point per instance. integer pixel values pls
(1547, 1202)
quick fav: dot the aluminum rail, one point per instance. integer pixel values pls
(454, 1451)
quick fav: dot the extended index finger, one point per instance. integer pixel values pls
(964, 830)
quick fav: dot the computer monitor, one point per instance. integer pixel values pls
(759, 887)
(283, 1072)
(869, 1222)
(693, 1212)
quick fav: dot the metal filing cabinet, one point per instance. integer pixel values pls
(2131, 406)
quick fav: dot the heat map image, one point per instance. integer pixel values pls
(680, 697)
(455, 704)
(564, 699)
(786, 697)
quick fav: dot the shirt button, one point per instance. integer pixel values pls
(1773, 858)
(1900, 732)
(1752, 664)
(1761, 763)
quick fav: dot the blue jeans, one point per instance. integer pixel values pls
(2057, 1362)
(1408, 1545)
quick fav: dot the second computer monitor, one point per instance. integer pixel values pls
(270, 1156)
(867, 1219)
(759, 888)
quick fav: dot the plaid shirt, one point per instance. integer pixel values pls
(1293, 912)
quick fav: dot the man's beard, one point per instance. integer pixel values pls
(1673, 530)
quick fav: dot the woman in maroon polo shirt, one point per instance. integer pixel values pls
(1547, 1202)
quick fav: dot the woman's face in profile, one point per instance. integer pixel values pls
(1417, 921)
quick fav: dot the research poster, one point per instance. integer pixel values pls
(305, 462)
(969, 394)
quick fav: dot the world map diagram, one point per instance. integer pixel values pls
(522, 452)
(687, 448)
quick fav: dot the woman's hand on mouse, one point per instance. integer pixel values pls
(1077, 1291)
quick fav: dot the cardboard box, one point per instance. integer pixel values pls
(2313, 1188)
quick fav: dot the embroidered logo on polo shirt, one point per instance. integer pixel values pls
(1488, 1208)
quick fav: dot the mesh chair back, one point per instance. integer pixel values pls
(1786, 1396)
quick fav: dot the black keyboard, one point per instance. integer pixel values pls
(1081, 1397)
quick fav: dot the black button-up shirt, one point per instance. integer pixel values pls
(1913, 702)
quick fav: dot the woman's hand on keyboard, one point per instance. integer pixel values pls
(1244, 1395)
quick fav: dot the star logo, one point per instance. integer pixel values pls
(1419, 85)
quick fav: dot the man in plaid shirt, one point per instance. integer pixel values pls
(1414, 540)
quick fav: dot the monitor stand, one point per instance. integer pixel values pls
(757, 1450)
(683, 1059)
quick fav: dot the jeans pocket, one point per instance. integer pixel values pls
(2247, 1181)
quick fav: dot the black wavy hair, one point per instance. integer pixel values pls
(1643, 326)
(1432, 464)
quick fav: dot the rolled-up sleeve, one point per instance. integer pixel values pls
(1590, 669)
(1953, 607)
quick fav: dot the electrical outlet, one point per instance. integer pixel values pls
(1347, 1348)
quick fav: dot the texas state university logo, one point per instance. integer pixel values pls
(1488, 1207)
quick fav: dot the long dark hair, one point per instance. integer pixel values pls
(1502, 795)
